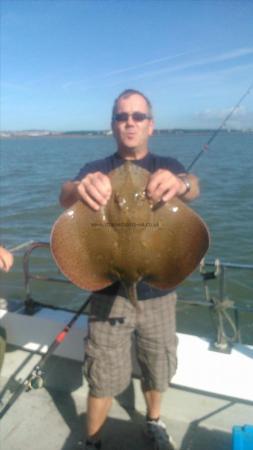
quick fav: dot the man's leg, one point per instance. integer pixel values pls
(153, 401)
(155, 427)
(107, 364)
(97, 410)
(156, 353)
(156, 343)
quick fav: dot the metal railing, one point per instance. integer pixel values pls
(219, 305)
(30, 303)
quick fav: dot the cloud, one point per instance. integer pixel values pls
(234, 55)
(116, 72)
(228, 56)
(242, 117)
(147, 63)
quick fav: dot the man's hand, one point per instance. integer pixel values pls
(94, 189)
(163, 185)
(6, 259)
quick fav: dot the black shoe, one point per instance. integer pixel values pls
(156, 431)
(91, 445)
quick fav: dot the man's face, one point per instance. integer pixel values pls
(132, 134)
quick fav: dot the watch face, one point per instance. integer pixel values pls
(186, 182)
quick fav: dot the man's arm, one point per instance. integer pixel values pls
(163, 185)
(6, 259)
(94, 190)
(69, 194)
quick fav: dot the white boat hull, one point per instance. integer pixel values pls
(199, 368)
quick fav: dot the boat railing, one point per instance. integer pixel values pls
(30, 304)
(225, 310)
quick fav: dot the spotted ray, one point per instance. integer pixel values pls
(130, 239)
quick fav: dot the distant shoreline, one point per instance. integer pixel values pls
(108, 133)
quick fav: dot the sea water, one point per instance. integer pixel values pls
(33, 169)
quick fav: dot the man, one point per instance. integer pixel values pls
(154, 323)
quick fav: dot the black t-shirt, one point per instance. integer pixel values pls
(150, 162)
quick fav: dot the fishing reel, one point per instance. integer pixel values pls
(35, 380)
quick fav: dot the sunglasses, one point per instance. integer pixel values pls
(136, 116)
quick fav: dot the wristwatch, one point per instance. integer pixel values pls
(186, 182)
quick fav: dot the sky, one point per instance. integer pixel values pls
(63, 62)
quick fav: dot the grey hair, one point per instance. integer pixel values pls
(127, 93)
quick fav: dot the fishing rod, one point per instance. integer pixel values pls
(19, 247)
(216, 132)
(35, 378)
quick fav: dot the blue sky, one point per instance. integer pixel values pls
(64, 61)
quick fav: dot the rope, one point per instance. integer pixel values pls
(221, 309)
(220, 306)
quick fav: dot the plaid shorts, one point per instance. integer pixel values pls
(114, 325)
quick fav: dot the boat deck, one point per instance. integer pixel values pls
(53, 417)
